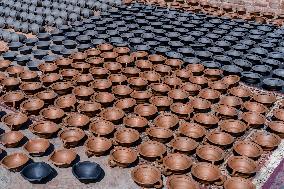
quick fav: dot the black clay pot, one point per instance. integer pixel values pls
(31, 41)
(276, 56)
(271, 62)
(22, 59)
(10, 55)
(234, 54)
(174, 55)
(230, 39)
(216, 50)
(83, 47)
(175, 44)
(37, 172)
(39, 54)
(273, 84)
(72, 35)
(250, 77)
(14, 46)
(232, 70)
(259, 51)
(266, 45)
(262, 69)
(186, 51)
(191, 60)
(278, 73)
(43, 45)
(211, 64)
(69, 44)
(56, 49)
(162, 49)
(50, 58)
(136, 41)
(223, 44)
(223, 59)
(87, 171)
(57, 39)
(247, 42)
(254, 59)
(256, 38)
(220, 31)
(204, 55)
(25, 50)
(43, 36)
(142, 47)
(244, 64)
(240, 47)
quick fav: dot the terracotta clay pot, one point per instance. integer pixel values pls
(30, 88)
(183, 145)
(213, 74)
(159, 134)
(105, 47)
(218, 86)
(125, 60)
(13, 98)
(141, 96)
(157, 59)
(278, 114)
(15, 120)
(160, 88)
(253, 119)
(199, 80)
(48, 68)
(10, 83)
(144, 65)
(11, 139)
(161, 102)
(233, 127)
(78, 56)
(210, 94)
(15, 161)
(248, 149)
(255, 107)
(183, 111)
(83, 92)
(83, 79)
(99, 73)
(206, 120)
(192, 89)
(178, 95)
(183, 74)
(163, 70)
(139, 55)
(267, 141)
(126, 137)
(4, 64)
(15, 70)
(277, 127)
(50, 78)
(63, 63)
(117, 79)
(71, 136)
(152, 150)
(200, 105)
(236, 182)
(210, 153)
(109, 56)
(151, 76)
(104, 98)
(97, 146)
(166, 120)
(63, 157)
(135, 122)
(102, 85)
(181, 182)
(241, 166)
(174, 63)
(207, 173)
(62, 88)
(176, 163)
(226, 112)
(196, 69)
(137, 83)
(147, 176)
(232, 101)
(66, 102)
(131, 72)
(231, 80)
(89, 109)
(44, 129)
(121, 50)
(82, 67)
(122, 157)
(101, 128)
(95, 61)
(172, 81)
(241, 92)
(191, 130)
(37, 147)
(126, 104)
(93, 52)
(121, 91)
(28, 76)
(77, 120)
(265, 99)
(53, 114)
(113, 67)
(221, 139)
(32, 106)
(112, 114)
(146, 110)
(48, 96)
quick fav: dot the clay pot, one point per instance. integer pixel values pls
(66, 102)
(44, 129)
(161, 102)
(83, 92)
(53, 114)
(238, 182)
(75, 119)
(78, 56)
(159, 134)
(191, 89)
(62, 88)
(126, 137)
(178, 95)
(253, 119)
(109, 56)
(277, 128)
(104, 98)
(181, 182)
(233, 127)
(152, 150)
(99, 73)
(232, 101)
(173, 82)
(63, 157)
(210, 94)
(200, 105)
(157, 59)
(48, 68)
(278, 114)
(122, 157)
(146, 110)
(105, 47)
(50, 78)
(135, 122)
(113, 67)
(137, 83)
(93, 52)
(241, 166)
(176, 163)
(183, 74)
(13, 98)
(151, 76)
(199, 80)
(255, 107)
(226, 112)
(218, 86)
(82, 67)
(267, 141)
(196, 69)
(147, 176)
(125, 60)
(101, 84)
(4, 64)
(97, 146)
(37, 147)
(160, 88)
(166, 120)
(121, 91)
(207, 173)
(14, 71)
(112, 114)
(139, 55)
(11, 139)
(174, 63)
(48, 96)
(191, 130)
(219, 138)
(95, 61)
(210, 153)
(126, 104)
(71, 136)
(162, 69)
(101, 128)
(10, 83)
(30, 88)
(206, 120)
(68, 74)
(241, 92)
(183, 111)
(89, 108)
(231, 80)
(83, 79)
(144, 65)
(141, 96)
(63, 63)
(28, 76)
(121, 50)
(117, 79)
(15, 161)
(248, 149)
(14, 120)
(183, 145)
(213, 74)
(32, 106)
(265, 99)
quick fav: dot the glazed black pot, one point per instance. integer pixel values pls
(276, 56)
(14, 46)
(37, 172)
(39, 54)
(234, 54)
(186, 51)
(87, 171)
(232, 70)
(83, 47)
(223, 44)
(262, 69)
(223, 59)
(273, 84)
(271, 62)
(72, 35)
(23, 59)
(240, 47)
(254, 59)
(43, 45)
(204, 55)
(25, 50)
(175, 44)
(244, 64)
(247, 42)
(250, 77)
(216, 50)
(69, 44)
(56, 49)
(162, 50)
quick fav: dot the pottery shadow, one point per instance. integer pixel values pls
(49, 150)
(26, 125)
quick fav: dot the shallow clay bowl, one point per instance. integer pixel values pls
(66, 102)
(161, 102)
(265, 99)
(146, 110)
(206, 173)
(14, 120)
(126, 137)
(121, 91)
(183, 144)
(191, 130)
(238, 183)
(126, 104)
(241, 92)
(115, 115)
(209, 94)
(71, 136)
(233, 127)
(226, 112)
(48, 96)
(218, 86)
(277, 127)
(241, 166)
(231, 101)
(278, 114)
(266, 140)
(248, 149)
(135, 122)
(101, 127)
(220, 139)
(210, 153)
(160, 88)
(63, 157)
(104, 98)
(75, 119)
(231, 80)
(200, 105)
(13, 98)
(29, 88)
(62, 88)
(181, 109)
(176, 163)
(44, 129)
(152, 150)
(159, 134)
(32, 106)
(97, 146)
(87, 171)
(15, 161)
(196, 69)
(192, 89)
(53, 114)
(255, 107)
(122, 157)
(11, 139)
(37, 147)
(206, 120)
(89, 109)
(36, 172)
(147, 176)
(166, 120)
(181, 182)
(253, 119)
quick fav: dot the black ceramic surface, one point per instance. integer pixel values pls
(87, 170)
(36, 172)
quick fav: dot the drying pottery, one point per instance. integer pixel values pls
(152, 150)
(83, 79)
(15, 70)
(233, 127)
(135, 122)
(113, 67)
(87, 171)
(83, 92)
(160, 88)
(125, 60)
(131, 72)
(191, 130)
(93, 52)
(48, 96)
(75, 119)
(267, 141)
(44, 129)
(10, 83)
(181, 182)
(231, 80)
(78, 56)
(101, 85)
(255, 107)
(206, 120)
(143, 65)
(99, 73)
(13, 98)
(121, 91)
(122, 157)
(213, 74)
(137, 83)
(97, 146)
(32, 106)
(53, 114)
(277, 127)
(15, 161)
(196, 69)
(141, 96)
(164, 71)
(63, 157)
(126, 104)
(248, 149)
(166, 120)
(14, 120)
(157, 59)
(63, 63)
(104, 98)
(220, 139)
(96, 61)
(112, 114)
(37, 147)
(183, 145)
(101, 127)
(226, 112)
(89, 109)
(218, 86)
(241, 92)
(174, 82)
(121, 50)
(210, 153)
(30, 88)
(265, 99)
(210, 95)
(117, 79)
(241, 166)
(183, 74)
(178, 95)
(253, 119)
(138, 55)
(28, 76)
(183, 111)
(159, 134)
(231, 101)
(105, 47)
(36, 172)
(126, 137)
(200, 105)
(71, 136)
(11, 139)
(62, 88)
(66, 102)
(48, 68)
(146, 110)
(176, 163)
(238, 182)
(161, 102)
(192, 89)
(278, 114)
(50, 78)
